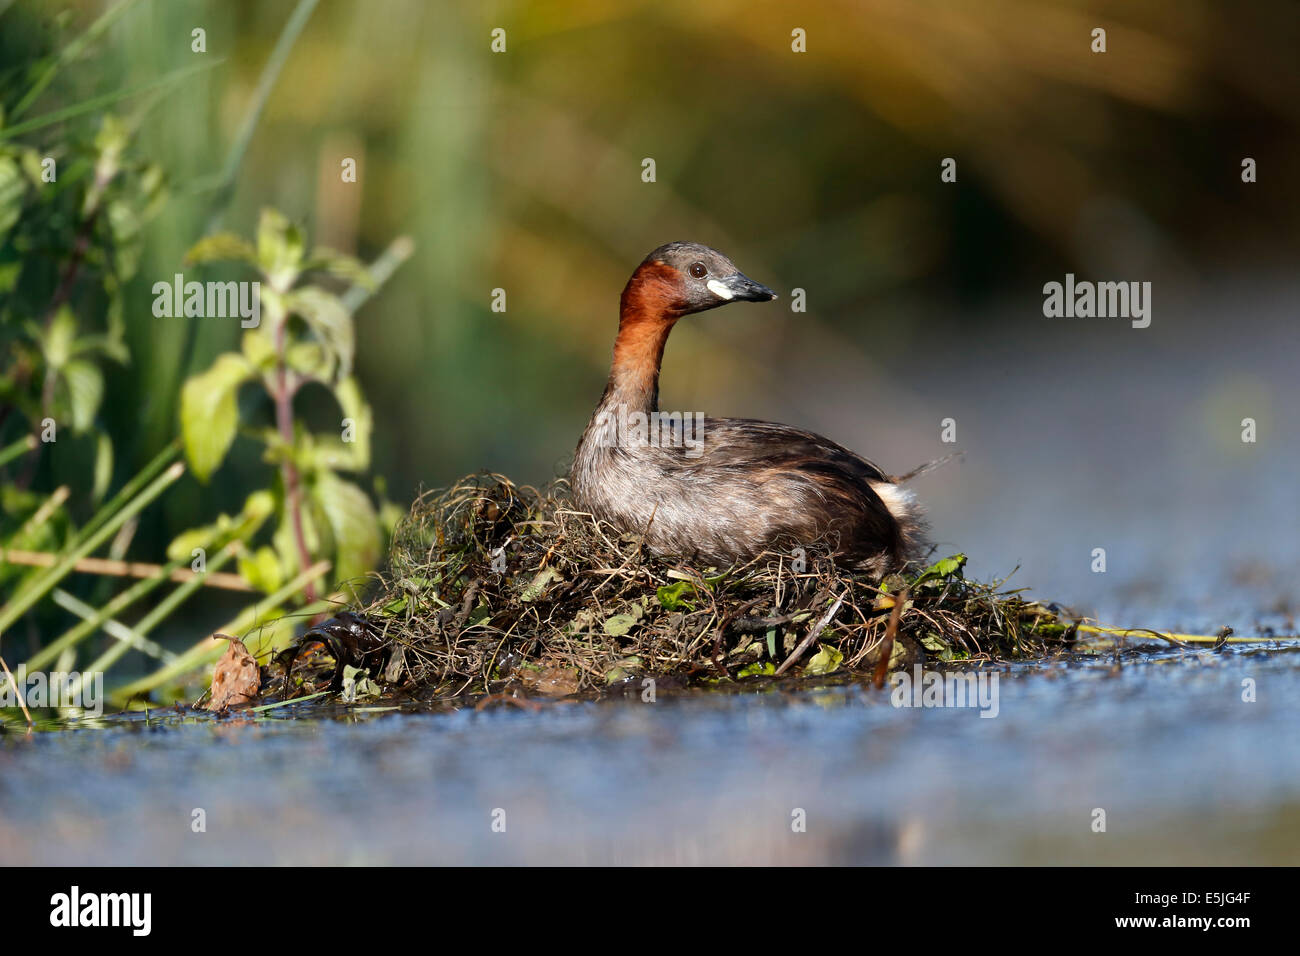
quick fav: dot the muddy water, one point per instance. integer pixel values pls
(1184, 768)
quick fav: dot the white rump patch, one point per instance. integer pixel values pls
(718, 289)
(897, 499)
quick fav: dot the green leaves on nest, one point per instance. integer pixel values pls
(542, 580)
(675, 597)
(357, 685)
(940, 571)
(620, 625)
(827, 660)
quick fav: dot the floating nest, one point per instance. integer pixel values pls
(491, 586)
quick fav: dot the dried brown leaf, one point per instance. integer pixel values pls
(236, 678)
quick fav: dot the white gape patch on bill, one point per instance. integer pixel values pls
(717, 288)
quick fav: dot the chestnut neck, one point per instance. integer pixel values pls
(649, 308)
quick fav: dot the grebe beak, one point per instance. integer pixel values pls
(740, 287)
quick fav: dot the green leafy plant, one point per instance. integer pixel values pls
(76, 194)
(305, 336)
(76, 197)
(71, 221)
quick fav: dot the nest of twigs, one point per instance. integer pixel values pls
(491, 584)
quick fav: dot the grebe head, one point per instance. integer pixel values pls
(703, 278)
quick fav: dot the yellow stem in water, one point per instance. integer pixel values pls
(1184, 638)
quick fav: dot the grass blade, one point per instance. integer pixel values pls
(79, 632)
(71, 52)
(265, 83)
(75, 635)
(99, 102)
(398, 251)
(20, 447)
(112, 627)
(129, 490)
(45, 582)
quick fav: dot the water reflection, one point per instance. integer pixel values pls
(1184, 768)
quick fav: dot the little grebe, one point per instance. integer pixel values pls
(722, 490)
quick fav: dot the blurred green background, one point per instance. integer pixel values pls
(819, 170)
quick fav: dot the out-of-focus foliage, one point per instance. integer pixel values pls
(76, 196)
(52, 230)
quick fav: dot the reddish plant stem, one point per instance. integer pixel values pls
(288, 471)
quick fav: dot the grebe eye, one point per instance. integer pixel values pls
(698, 270)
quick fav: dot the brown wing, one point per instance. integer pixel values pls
(749, 443)
(840, 500)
